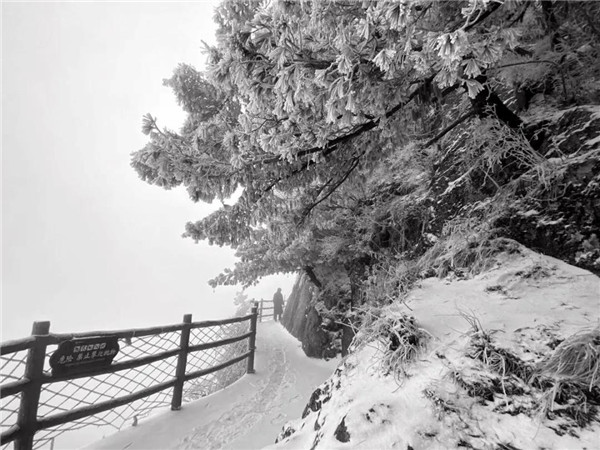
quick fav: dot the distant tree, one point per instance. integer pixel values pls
(242, 303)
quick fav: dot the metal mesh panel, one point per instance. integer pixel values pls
(138, 347)
(72, 394)
(12, 368)
(114, 419)
(205, 359)
(68, 395)
(10, 409)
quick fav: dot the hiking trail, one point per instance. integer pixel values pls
(247, 414)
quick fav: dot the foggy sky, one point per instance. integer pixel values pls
(85, 243)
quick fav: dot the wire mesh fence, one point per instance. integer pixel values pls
(203, 359)
(10, 409)
(113, 419)
(65, 395)
(68, 395)
(12, 368)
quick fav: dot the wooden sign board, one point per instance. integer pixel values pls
(84, 355)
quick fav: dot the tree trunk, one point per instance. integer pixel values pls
(548, 8)
(347, 336)
(488, 103)
(310, 273)
(356, 273)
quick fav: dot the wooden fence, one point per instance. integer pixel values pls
(35, 374)
(265, 311)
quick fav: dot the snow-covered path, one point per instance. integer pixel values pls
(248, 414)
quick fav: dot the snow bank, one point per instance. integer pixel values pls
(454, 394)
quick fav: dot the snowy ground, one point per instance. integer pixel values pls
(248, 414)
(525, 304)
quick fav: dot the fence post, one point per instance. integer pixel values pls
(30, 397)
(261, 310)
(184, 344)
(252, 338)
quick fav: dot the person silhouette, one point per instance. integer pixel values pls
(277, 305)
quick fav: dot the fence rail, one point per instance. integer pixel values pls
(265, 311)
(37, 398)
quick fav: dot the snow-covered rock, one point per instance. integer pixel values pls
(487, 377)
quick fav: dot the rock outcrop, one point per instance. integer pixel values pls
(563, 219)
(303, 320)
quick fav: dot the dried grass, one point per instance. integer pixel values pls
(576, 360)
(397, 336)
(567, 383)
(504, 150)
(467, 247)
(389, 281)
(499, 360)
(570, 378)
(567, 400)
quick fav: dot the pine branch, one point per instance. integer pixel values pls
(484, 15)
(334, 144)
(520, 15)
(353, 166)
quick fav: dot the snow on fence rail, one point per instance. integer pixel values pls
(152, 367)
